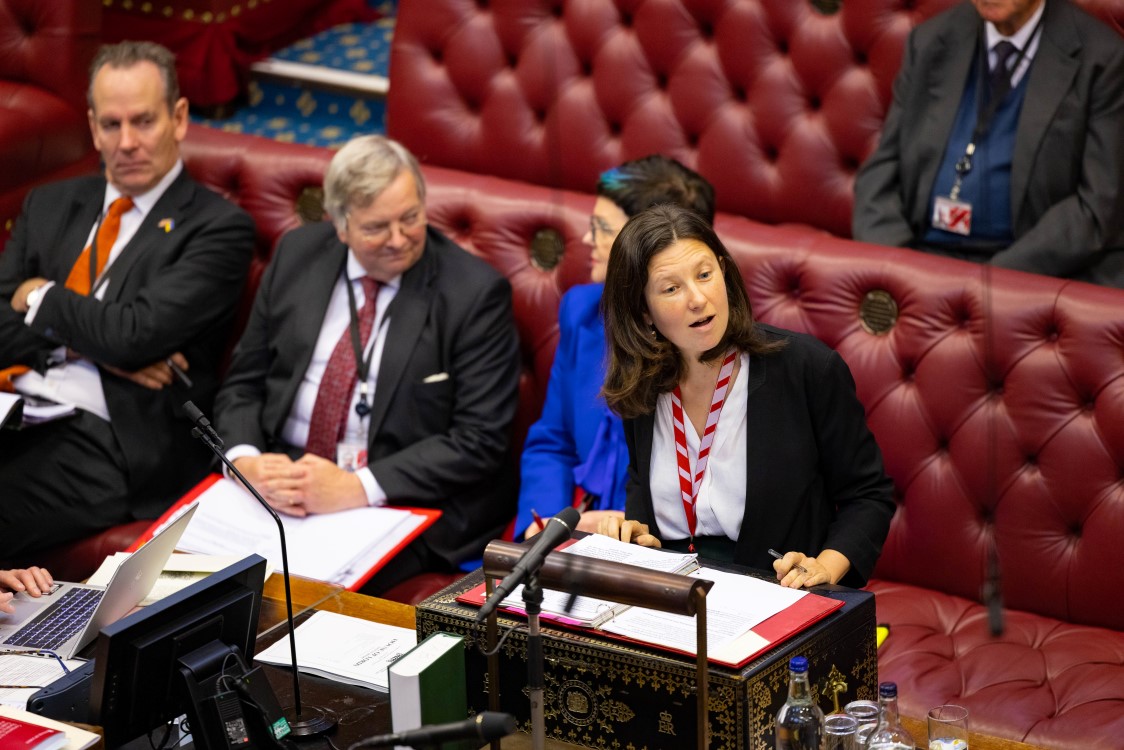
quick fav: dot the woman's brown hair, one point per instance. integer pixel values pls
(642, 363)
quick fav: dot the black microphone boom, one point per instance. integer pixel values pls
(300, 726)
(484, 727)
(558, 529)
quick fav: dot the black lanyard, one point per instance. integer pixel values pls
(984, 115)
(362, 366)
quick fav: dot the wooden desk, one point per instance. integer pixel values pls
(365, 712)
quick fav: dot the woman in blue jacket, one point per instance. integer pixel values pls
(576, 454)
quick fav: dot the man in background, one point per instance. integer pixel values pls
(1004, 143)
(113, 288)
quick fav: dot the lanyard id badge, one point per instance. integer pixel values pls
(351, 453)
(952, 215)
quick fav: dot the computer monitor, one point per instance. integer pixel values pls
(179, 655)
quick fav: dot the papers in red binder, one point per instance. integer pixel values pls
(344, 548)
(746, 616)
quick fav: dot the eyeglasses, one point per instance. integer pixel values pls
(40, 653)
(597, 225)
(380, 231)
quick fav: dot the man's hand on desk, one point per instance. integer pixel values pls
(310, 485)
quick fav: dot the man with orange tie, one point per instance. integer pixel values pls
(112, 287)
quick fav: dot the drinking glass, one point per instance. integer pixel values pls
(839, 732)
(948, 728)
(866, 714)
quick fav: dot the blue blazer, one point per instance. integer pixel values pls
(577, 440)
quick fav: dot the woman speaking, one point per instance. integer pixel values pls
(742, 437)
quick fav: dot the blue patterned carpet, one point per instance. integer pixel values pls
(317, 114)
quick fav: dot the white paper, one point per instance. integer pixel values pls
(734, 605)
(334, 547)
(344, 648)
(29, 670)
(587, 610)
(179, 572)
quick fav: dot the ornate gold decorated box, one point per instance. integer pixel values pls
(606, 693)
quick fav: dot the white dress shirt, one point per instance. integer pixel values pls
(721, 500)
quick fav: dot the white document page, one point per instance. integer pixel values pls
(326, 547)
(29, 670)
(179, 572)
(585, 609)
(734, 605)
(344, 648)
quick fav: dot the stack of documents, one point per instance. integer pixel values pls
(341, 548)
(342, 648)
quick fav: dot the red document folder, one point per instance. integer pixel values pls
(428, 515)
(774, 630)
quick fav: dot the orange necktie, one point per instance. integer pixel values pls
(79, 279)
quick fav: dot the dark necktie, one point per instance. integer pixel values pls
(999, 82)
(329, 414)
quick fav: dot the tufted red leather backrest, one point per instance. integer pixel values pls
(997, 396)
(775, 101)
(47, 45)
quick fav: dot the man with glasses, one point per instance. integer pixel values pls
(379, 366)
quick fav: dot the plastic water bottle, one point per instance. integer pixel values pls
(889, 734)
(800, 720)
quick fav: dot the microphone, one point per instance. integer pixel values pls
(558, 529)
(301, 727)
(484, 727)
(201, 422)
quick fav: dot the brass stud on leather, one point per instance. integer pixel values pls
(310, 205)
(547, 247)
(878, 312)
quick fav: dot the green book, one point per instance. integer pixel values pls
(427, 686)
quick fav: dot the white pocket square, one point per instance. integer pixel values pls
(436, 377)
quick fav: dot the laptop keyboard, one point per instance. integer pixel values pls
(58, 622)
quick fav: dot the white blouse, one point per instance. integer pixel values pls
(721, 500)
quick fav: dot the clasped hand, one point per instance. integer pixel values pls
(311, 484)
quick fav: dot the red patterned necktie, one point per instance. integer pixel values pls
(329, 415)
(79, 279)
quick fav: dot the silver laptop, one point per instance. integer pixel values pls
(70, 616)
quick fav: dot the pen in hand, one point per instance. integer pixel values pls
(538, 520)
(179, 373)
(779, 556)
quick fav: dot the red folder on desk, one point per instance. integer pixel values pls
(420, 520)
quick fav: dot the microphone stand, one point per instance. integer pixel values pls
(299, 726)
(532, 605)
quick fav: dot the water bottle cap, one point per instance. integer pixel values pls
(798, 664)
(888, 690)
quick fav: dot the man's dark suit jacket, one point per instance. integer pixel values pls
(440, 444)
(1068, 169)
(167, 291)
(814, 476)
